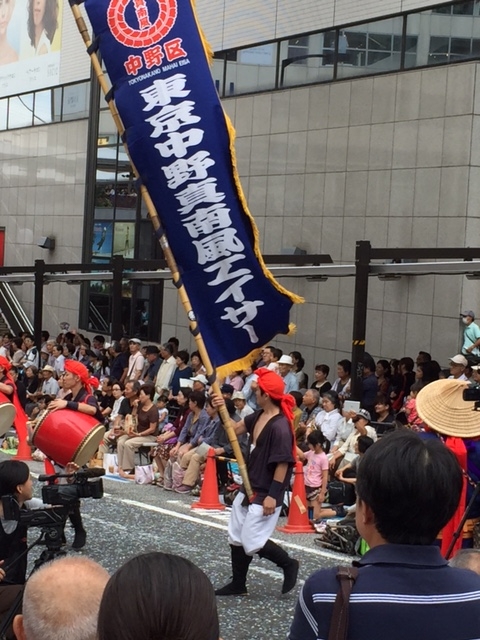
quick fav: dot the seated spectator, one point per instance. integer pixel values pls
(383, 409)
(316, 472)
(144, 432)
(297, 411)
(61, 600)
(311, 408)
(346, 452)
(181, 372)
(196, 421)
(343, 382)
(168, 437)
(410, 407)
(16, 351)
(241, 407)
(321, 384)
(50, 385)
(200, 383)
(197, 364)
(236, 380)
(271, 356)
(153, 362)
(348, 473)
(168, 597)
(117, 393)
(162, 409)
(249, 388)
(458, 365)
(298, 366)
(382, 372)
(285, 366)
(427, 371)
(330, 420)
(118, 425)
(226, 390)
(423, 357)
(106, 398)
(191, 461)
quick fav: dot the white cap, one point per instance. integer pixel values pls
(459, 359)
(286, 360)
(200, 378)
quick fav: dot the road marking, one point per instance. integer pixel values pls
(223, 527)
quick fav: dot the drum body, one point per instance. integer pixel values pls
(67, 436)
(7, 416)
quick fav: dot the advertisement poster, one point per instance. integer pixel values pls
(30, 44)
(102, 239)
(124, 239)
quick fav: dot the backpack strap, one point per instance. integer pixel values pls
(346, 577)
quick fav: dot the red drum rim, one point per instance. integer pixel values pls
(7, 416)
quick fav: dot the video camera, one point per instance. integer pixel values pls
(472, 394)
(84, 483)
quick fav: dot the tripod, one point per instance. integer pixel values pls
(51, 537)
(459, 529)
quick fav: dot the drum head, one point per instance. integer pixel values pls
(89, 445)
(7, 416)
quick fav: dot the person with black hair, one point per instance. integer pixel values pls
(343, 382)
(168, 597)
(316, 470)
(182, 372)
(407, 491)
(321, 384)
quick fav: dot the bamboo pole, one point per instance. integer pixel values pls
(169, 257)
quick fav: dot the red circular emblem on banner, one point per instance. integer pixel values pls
(148, 33)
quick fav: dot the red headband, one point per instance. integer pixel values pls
(80, 370)
(6, 364)
(273, 385)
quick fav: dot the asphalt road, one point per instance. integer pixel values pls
(132, 519)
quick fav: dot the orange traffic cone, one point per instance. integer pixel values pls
(209, 493)
(298, 513)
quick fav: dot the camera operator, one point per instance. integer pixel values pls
(77, 381)
(15, 481)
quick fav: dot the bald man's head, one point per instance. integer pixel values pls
(61, 601)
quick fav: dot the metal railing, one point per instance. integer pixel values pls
(12, 311)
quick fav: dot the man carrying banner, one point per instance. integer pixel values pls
(269, 468)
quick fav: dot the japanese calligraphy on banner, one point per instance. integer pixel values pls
(181, 143)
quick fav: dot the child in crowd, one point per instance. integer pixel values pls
(410, 408)
(347, 474)
(162, 411)
(316, 471)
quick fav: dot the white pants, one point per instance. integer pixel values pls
(248, 527)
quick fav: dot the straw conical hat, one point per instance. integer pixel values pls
(441, 406)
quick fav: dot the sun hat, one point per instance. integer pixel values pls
(286, 360)
(238, 395)
(200, 378)
(441, 406)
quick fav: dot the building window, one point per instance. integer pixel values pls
(253, 69)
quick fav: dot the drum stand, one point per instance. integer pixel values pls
(51, 537)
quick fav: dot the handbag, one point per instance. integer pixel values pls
(346, 577)
(144, 474)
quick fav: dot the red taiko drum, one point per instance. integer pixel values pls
(7, 416)
(67, 436)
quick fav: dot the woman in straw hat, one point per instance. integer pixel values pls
(447, 415)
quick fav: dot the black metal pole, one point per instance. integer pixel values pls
(38, 302)
(116, 324)
(362, 268)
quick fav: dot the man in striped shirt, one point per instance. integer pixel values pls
(407, 491)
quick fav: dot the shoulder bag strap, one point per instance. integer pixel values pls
(346, 577)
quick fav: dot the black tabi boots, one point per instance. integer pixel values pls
(240, 564)
(280, 557)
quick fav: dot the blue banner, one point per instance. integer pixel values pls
(181, 143)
